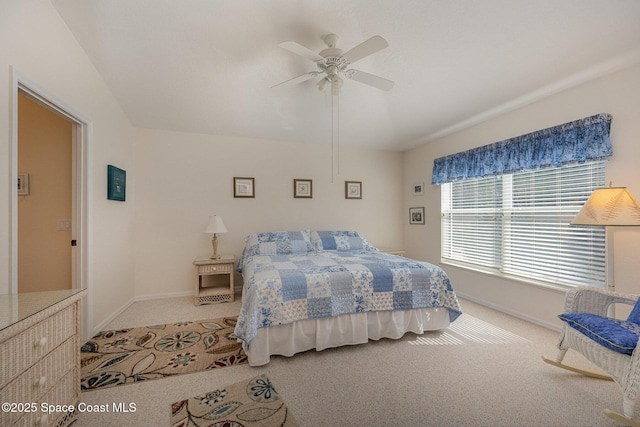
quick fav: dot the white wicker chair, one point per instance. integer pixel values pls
(624, 369)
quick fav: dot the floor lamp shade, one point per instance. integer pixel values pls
(609, 206)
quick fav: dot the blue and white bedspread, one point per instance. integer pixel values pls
(281, 289)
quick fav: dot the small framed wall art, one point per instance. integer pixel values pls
(418, 188)
(302, 188)
(416, 215)
(23, 184)
(116, 183)
(353, 189)
(244, 187)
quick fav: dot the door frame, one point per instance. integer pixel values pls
(82, 132)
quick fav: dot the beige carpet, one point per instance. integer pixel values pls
(125, 356)
(386, 382)
(468, 330)
(246, 403)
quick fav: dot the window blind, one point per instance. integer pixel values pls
(519, 224)
(471, 221)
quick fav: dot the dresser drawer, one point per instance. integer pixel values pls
(215, 268)
(65, 392)
(32, 385)
(26, 348)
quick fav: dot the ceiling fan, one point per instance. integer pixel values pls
(333, 63)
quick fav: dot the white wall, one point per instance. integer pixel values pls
(183, 178)
(176, 179)
(35, 40)
(617, 93)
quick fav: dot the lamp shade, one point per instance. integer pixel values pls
(609, 206)
(215, 225)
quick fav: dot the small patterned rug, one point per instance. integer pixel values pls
(126, 356)
(247, 403)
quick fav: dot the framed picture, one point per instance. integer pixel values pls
(416, 215)
(302, 188)
(116, 183)
(244, 187)
(353, 190)
(23, 184)
(418, 188)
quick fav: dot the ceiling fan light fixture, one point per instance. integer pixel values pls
(322, 84)
(336, 85)
(331, 62)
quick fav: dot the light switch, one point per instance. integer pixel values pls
(64, 225)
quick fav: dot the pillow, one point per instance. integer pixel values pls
(335, 240)
(277, 243)
(634, 316)
(615, 334)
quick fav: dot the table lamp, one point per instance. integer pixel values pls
(215, 226)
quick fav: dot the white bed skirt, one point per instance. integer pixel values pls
(348, 329)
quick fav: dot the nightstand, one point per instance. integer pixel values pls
(391, 251)
(218, 286)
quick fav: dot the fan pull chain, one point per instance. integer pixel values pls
(338, 130)
(338, 133)
(332, 155)
(335, 133)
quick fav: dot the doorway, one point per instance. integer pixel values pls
(44, 198)
(79, 220)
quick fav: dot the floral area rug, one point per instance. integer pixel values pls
(247, 403)
(126, 356)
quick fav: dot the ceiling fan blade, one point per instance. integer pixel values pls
(366, 48)
(300, 50)
(370, 79)
(296, 80)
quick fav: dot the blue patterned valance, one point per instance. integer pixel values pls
(573, 142)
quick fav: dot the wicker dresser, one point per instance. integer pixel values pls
(40, 357)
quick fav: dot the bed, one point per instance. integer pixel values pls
(308, 290)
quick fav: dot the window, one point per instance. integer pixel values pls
(519, 224)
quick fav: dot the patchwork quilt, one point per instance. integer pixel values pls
(281, 288)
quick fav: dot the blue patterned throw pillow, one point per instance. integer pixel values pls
(634, 316)
(337, 240)
(277, 243)
(615, 334)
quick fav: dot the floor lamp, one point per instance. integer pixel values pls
(612, 206)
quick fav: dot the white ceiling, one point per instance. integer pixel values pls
(207, 66)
